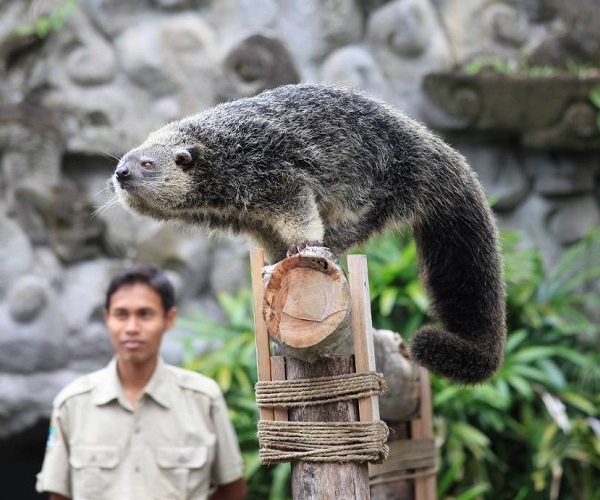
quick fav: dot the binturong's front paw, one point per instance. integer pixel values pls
(296, 248)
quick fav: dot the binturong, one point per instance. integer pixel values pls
(323, 165)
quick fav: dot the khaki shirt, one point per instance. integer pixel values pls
(174, 444)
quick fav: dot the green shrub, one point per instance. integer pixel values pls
(504, 439)
(528, 433)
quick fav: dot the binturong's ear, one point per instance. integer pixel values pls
(184, 157)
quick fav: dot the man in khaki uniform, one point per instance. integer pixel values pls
(141, 429)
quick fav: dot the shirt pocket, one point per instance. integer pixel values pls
(183, 471)
(92, 469)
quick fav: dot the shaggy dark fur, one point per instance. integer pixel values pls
(332, 166)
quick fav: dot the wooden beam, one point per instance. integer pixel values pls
(362, 330)
(422, 427)
(263, 350)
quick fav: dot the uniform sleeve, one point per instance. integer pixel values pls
(228, 465)
(55, 474)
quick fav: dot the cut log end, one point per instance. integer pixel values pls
(307, 305)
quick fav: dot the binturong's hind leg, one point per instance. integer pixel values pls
(354, 230)
(292, 227)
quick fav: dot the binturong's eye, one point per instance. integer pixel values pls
(183, 157)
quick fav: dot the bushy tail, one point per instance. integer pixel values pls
(462, 269)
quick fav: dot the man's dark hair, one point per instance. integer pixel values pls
(148, 275)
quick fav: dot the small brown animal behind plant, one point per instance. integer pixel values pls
(330, 166)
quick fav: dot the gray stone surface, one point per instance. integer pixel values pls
(33, 329)
(486, 28)
(355, 66)
(563, 174)
(16, 253)
(313, 28)
(24, 399)
(27, 298)
(408, 42)
(501, 172)
(255, 63)
(71, 103)
(573, 218)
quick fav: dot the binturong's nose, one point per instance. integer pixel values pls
(122, 173)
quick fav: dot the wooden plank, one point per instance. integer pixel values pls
(422, 427)
(278, 373)
(362, 330)
(398, 489)
(263, 351)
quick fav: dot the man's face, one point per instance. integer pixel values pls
(136, 321)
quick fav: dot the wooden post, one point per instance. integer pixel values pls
(326, 480)
(409, 473)
(405, 406)
(422, 427)
(263, 350)
(362, 330)
(307, 310)
(397, 489)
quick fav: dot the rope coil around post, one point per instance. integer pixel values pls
(323, 441)
(318, 391)
(282, 441)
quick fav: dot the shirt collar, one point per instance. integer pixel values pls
(109, 386)
(158, 387)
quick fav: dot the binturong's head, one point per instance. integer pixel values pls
(160, 178)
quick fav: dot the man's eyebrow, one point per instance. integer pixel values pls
(141, 310)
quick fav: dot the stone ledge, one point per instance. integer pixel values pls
(543, 112)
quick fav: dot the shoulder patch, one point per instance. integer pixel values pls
(51, 435)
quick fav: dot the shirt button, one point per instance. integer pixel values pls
(181, 459)
(137, 430)
(137, 469)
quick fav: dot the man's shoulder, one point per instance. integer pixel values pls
(81, 385)
(194, 381)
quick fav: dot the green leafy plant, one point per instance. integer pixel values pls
(398, 301)
(595, 98)
(501, 439)
(42, 26)
(496, 64)
(520, 67)
(531, 432)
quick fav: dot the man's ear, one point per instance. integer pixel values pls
(171, 317)
(105, 311)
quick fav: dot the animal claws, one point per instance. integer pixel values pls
(296, 248)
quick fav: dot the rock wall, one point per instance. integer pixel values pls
(76, 99)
